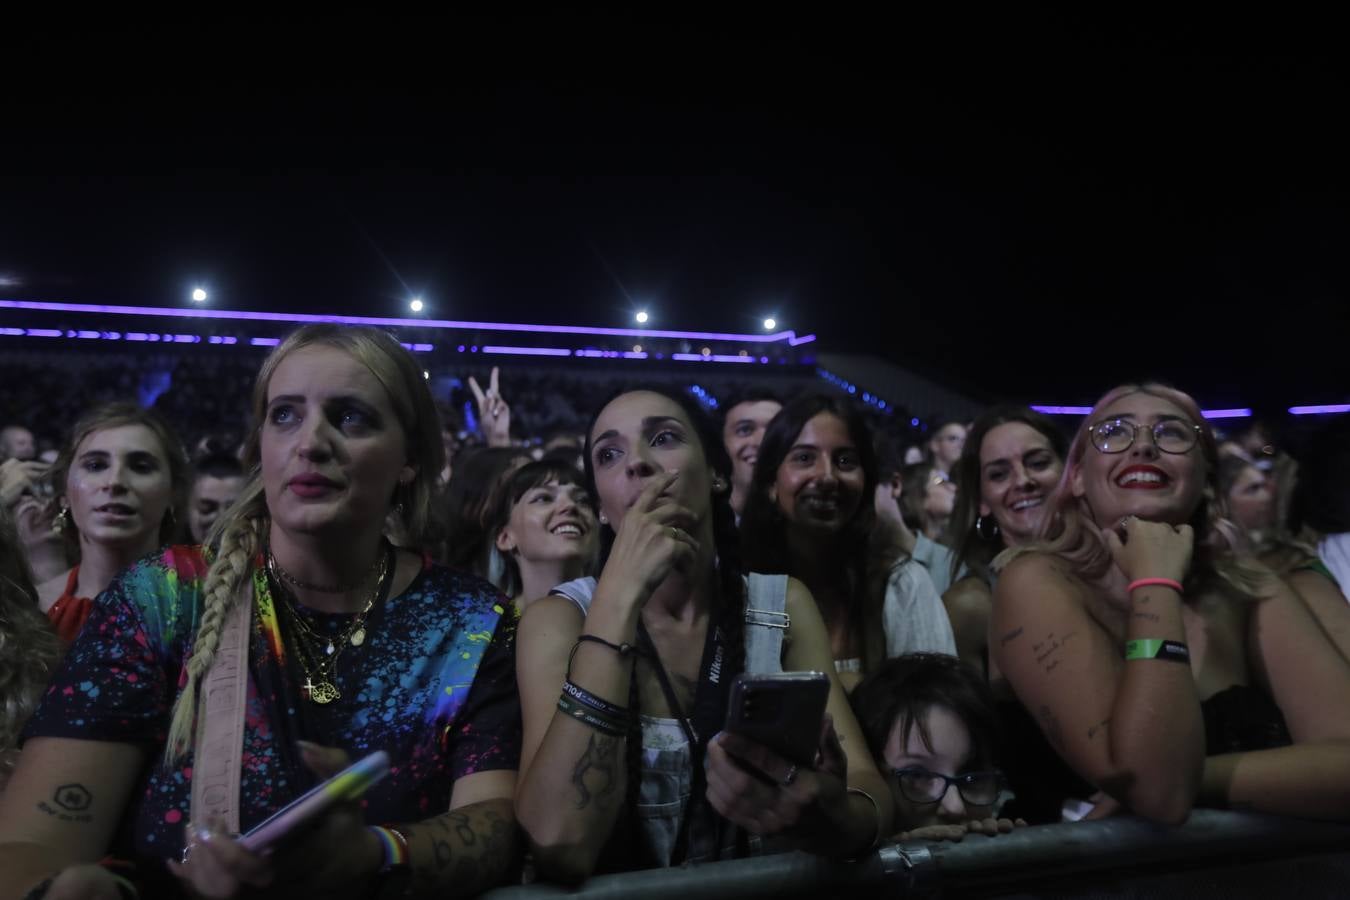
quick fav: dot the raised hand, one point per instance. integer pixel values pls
(494, 415)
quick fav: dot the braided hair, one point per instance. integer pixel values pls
(238, 534)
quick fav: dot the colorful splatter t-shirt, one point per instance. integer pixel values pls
(433, 684)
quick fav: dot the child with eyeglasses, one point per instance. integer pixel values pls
(929, 721)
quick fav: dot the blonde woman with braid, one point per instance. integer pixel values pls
(353, 646)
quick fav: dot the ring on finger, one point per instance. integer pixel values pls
(790, 777)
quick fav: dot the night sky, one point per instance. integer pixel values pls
(1031, 207)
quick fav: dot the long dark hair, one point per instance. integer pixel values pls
(730, 601)
(864, 564)
(972, 548)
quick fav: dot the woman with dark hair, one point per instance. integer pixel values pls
(1163, 670)
(810, 514)
(626, 769)
(543, 530)
(118, 481)
(468, 500)
(930, 723)
(213, 686)
(1013, 459)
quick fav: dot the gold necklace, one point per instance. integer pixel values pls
(356, 631)
(320, 658)
(339, 588)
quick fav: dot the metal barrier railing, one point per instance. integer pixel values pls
(925, 869)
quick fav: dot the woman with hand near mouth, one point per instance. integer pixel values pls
(1163, 671)
(117, 482)
(625, 682)
(543, 529)
(810, 514)
(1013, 459)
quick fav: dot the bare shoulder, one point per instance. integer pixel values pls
(969, 592)
(1035, 574)
(550, 615)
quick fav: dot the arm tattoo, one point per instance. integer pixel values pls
(1010, 636)
(1047, 651)
(471, 849)
(1099, 728)
(69, 803)
(602, 758)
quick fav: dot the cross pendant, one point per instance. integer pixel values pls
(308, 688)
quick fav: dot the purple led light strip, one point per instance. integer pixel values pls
(1322, 410)
(1085, 410)
(155, 337)
(529, 351)
(791, 337)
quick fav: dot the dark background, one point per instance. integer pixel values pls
(1029, 204)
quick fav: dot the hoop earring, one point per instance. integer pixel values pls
(989, 530)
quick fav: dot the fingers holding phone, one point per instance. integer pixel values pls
(778, 761)
(215, 864)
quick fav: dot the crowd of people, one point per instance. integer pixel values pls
(543, 631)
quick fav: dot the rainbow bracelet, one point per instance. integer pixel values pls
(394, 845)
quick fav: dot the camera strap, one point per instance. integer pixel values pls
(711, 697)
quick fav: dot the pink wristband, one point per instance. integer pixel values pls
(1162, 582)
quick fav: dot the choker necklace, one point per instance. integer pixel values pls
(318, 653)
(282, 575)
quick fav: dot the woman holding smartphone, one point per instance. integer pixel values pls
(624, 682)
(349, 646)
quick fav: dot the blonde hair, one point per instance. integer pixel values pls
(1069, 532)
(238, 535)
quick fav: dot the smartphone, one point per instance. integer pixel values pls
(348, 784)
(783, 712)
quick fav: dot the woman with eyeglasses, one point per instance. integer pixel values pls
(1163, 670)
(929, 721)
(1012, 460)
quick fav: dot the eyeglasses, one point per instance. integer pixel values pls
(922, 786)
(1169, 435)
